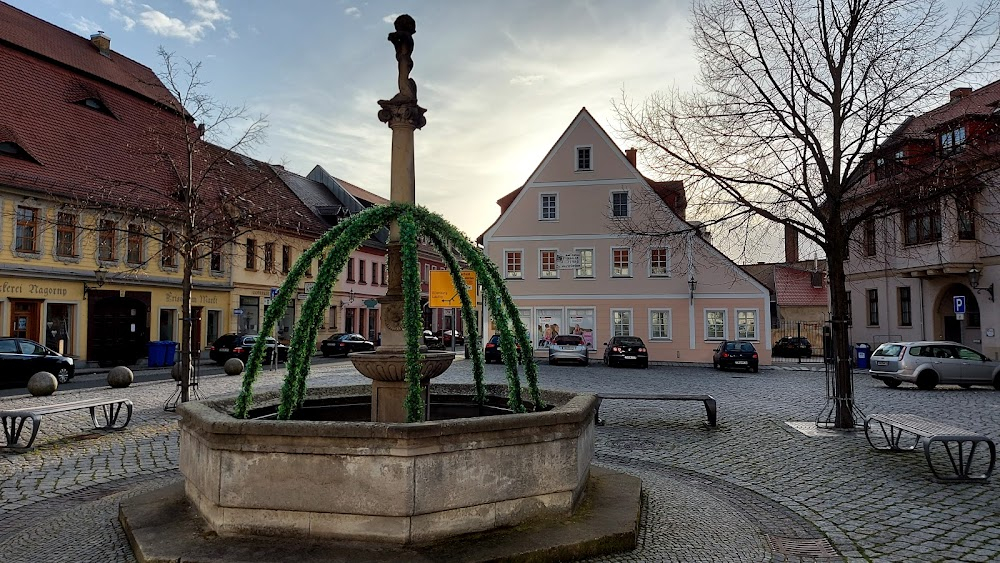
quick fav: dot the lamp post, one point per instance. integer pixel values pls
(974, 282)
(100, 276)
(692, 285)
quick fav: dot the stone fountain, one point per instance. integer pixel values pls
(348, 468)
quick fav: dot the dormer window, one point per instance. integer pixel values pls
(584, 158)
(95, 104)
(13, 150)
(952, 141)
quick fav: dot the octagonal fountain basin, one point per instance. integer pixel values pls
(333, 474)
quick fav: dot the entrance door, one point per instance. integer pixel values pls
(24, 319)
(952, 329)
(196, 329)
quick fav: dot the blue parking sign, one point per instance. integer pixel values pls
(959, 304)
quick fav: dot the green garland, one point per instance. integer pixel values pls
(412, 324)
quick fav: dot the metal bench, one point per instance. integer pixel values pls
(13, 420)
(707, 399)
(904, 432)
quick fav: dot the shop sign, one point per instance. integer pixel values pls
(32, 289)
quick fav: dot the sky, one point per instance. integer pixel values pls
(501, 81)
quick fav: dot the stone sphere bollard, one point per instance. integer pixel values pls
(120, 376)
(42, 383)
(233, 366)
(178, 370)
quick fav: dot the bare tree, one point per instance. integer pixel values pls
(792, 98)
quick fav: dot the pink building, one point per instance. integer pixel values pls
(681, 296)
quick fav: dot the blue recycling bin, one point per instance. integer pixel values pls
(170, 352)
(157, 353)
(862, 355)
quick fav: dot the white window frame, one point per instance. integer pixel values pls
(650, 262)
(541, 206)
(725, 324)
(576, 158)
(612, 271)
(506, 271)
(631, 323)
(628, 203)
(755, 337)
(544, 274)
(669, 328)
(576, 272)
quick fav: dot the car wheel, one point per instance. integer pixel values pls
(891, 383)
(927, 380)
(996, 382)
(63, 375)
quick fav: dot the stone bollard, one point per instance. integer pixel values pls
(120, 376)
(178, 370)
(233, 366)
(42, 383)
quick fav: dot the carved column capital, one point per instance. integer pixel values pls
(405, 112)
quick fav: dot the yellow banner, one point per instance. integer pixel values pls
(442, 292)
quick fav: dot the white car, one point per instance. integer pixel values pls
(930, 363)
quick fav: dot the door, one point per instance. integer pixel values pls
(946, 363)
(952, 329)
(196, 329)
(976, 368)
(117, 331)
(24, 319)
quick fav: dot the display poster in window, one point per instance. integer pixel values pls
(550, 325)
(581, 322)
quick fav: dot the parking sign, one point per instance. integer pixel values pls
(959, 304)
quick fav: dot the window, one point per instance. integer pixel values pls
(619, 204)
(659, 262)
(215, 260)
(746, 324)
(922, 224)
(133, 246)
(26, 235)
(66, 234)
(869, 238)
(952, 141)
(873, 307)
(966, 217)
(427, 273)
(583, 158)
(659, 324)
(361, 271)
(106, 241)
(96, 105)
(905, 307)
(586, 269)
(549, 207)
(621, 322)
(547, 264)
(715, 324)
(374, 273)
(513, 265)
(620, 266)
(385, 274)
(168, 250)
(251, 254)
(286, 258)
(269, 257)
(13, 150)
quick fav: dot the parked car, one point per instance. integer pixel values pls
(792, 347)
(622, 350)
(932, 363)
(343, 343)
(491, 353)
(446, 338)
(568, 347)
(21, 358)
(239, 346)
(736, 354)
(432, 341)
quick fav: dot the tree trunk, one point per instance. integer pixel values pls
(843, 382)
(186, 330)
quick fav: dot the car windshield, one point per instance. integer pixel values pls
(741, 346)
(568, 340)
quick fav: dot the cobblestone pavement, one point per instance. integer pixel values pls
(753, 489)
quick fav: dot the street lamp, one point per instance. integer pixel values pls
(101, 276)
(350, 300)
(974, 282)
(692, 285)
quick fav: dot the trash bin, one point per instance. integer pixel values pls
(157, 353)
(862, 353)
(170, 352)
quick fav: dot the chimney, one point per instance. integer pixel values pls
(630, 155)
(102, 42)
(959, 93)
(791, 245)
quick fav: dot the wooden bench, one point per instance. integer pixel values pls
(13, 420)
(707, 399)
(904, 432)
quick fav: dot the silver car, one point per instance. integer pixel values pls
(568, 347)
(931, 363)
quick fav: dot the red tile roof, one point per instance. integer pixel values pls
(794, 287)
(977, 103)
(361, 193)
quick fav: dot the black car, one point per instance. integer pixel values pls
(623, 350)
(344, 343)
(239, 346)
(491, 353)
(735, 354)
(431, 341)
(21, 358)
(446, 338)
(792, 347)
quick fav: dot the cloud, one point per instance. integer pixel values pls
(83, 25)
(390, 18)
(127, 22)
(205, 14)
(353, 11)
(526, 80)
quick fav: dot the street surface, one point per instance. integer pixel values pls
(753, 489)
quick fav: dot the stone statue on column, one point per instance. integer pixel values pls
(403, 106)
